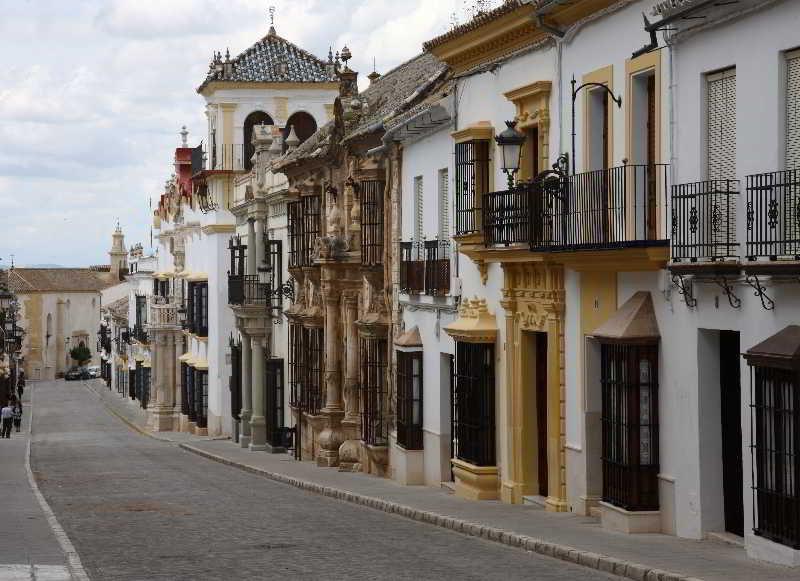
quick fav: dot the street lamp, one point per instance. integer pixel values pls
(510, 141)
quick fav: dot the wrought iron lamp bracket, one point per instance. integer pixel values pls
(760, 291)
(684, 287)
(727, 288)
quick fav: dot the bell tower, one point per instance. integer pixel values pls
(118, 254)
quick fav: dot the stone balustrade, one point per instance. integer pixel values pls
(164, 315)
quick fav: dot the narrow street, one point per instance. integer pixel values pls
(136, 508)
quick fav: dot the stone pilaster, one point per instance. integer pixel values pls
(351, 416)
(258, 423)
(251, 245)
(247, 405)
(331, 436)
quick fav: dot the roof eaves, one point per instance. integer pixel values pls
(479, 20)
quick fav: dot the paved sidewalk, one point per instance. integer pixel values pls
(28, 549)
(566, 536)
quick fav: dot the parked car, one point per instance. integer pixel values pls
(77, 373)
(94, 371)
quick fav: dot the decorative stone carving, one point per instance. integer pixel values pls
(350, 456)
(475, 324)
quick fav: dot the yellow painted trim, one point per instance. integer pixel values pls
(201, 364)
(533, 111)
(603, 76)
(185, 357)
(482, 130)
(219, 229)
(633, 67)
(475, 324)
(198, 277)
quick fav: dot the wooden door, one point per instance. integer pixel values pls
(652, 218)
(541, 411)
(731, 416)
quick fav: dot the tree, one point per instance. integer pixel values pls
(81, 354)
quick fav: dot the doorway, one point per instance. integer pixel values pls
(731, 419)
(534, 418)
(540, 378)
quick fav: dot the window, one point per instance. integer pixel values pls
(372, 222)
(775, 429)
(472, 181)
(418, 209)
(306, 367)
(145, 396)
(409, 400)
(412, 268)
(304, 229)
(437, 267)
(373, 391)
(253, 119)
(444, 204)
(598, 153)
(274, 249)
(235, 382)
(141, 318)
(472, 398)
(197, 308)
(201, 398)
(273, 402)
(237, 272)
(793, 109)
(721, 125)
(187, 391)
(629, 382)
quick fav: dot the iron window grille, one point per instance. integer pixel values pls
(373, 391)
(472, 181)
(409, 399)
(629, 380)
(773, 215)
(304, 227)
(703, 221)
(473, 406)
(775, 449)
(372, 192)
(187, 391)
(197, 308)
(132, 384)
(306, 367)
(190, 308)
(273, 402)
(237, 272)
(235, 382)
(201, 397)
(412, 268)
(276, 290)
(139, 332)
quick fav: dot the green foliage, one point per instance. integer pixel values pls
(81, 354)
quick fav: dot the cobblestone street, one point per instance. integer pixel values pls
(136, 508)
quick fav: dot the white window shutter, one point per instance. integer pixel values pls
(793, 110)
(721, 125)
(444, 207)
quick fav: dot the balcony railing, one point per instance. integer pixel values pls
(245, 289)
(773, 216)
(703, 221)
(164, 316)
(140, 333)
(425, 267)
(225, 157)
(412, 268)
(610, 208)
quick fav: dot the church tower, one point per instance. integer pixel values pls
(118, 254)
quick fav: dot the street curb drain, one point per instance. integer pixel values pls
(588, 559)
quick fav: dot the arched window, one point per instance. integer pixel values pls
(304, 126)
(255, 118)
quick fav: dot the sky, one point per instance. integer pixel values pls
(93, 94)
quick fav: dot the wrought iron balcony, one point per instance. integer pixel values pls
(224, 157)
(412, 268)
(245, 290)
(140, 333)
(703, 221)
(425, 267)
(773, 216)
(611, 208)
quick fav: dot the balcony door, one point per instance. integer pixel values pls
(597, 208)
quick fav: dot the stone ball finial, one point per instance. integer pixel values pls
(346, 54)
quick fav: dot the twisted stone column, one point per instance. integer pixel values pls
(331, 436)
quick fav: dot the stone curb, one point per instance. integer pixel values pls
(588, 559)
(126, 421)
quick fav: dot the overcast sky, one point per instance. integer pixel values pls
(93, 94)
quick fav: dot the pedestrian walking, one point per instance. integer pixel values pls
(21, 384)
(18, 415)
(7, 418)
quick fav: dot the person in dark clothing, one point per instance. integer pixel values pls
(21, 384)
(18, 415)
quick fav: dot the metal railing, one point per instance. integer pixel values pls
(223, 157)
(140, 333)
(245, 289)
(610, 208)
(773, 215)
(425, 267)
(703, 221)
